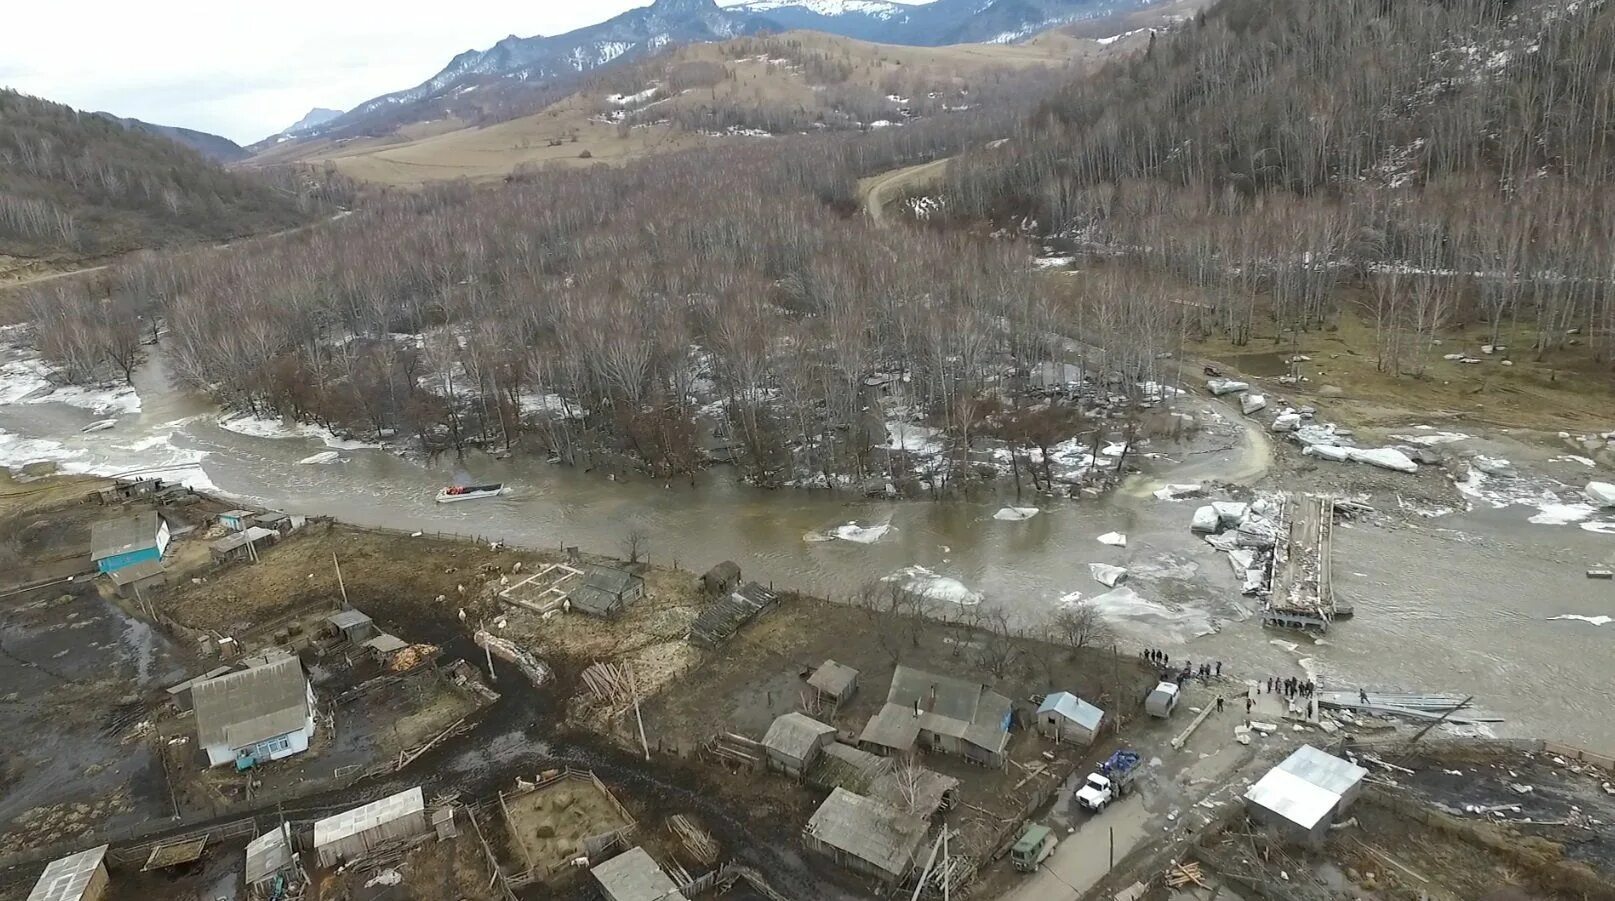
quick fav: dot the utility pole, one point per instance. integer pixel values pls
(342, 586)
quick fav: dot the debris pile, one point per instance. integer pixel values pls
(1246, 533)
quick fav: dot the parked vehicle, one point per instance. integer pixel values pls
(1114, 779)
(1033, 847)
(1162, 700)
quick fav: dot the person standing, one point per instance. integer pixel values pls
(1249, 703)
(1219, 669)
(1219, 703)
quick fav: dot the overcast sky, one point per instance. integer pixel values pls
(248, 70)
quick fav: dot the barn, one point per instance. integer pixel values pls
(351, 835)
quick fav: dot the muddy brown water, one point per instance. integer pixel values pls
(1456, 604)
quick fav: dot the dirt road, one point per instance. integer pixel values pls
(877, 190)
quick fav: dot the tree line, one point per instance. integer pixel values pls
(1447, 155)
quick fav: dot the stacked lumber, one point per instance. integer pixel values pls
(1182, 874)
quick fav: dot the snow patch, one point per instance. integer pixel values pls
(255, 427)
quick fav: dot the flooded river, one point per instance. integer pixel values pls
(1458, 603)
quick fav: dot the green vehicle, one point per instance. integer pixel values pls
(1032, 848)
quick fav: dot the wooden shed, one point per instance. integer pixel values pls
(351, 835)
(794, 740)
(721, 578)
(833, 682)
(136, 580)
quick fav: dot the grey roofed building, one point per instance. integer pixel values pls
(242, 708)
(72, 878)
(139, 572)
(836, 680)
(606, 591)
(895, 727)
(954, 712)
(269, 853)
(355, 625)
(232, 543)
(111, 537)
(1073, 708)
(1294, 800)
(386, 643)
(866, 834)
(351, 834)
(794, 739)
(1328, 772)
(634, 876)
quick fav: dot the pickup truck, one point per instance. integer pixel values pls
(1112, 780)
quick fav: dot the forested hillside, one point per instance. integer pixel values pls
(1453, 156)
(80, 184)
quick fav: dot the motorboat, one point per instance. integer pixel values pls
(470, 492)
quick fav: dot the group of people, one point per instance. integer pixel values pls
(1204, 672)
(1291, 687)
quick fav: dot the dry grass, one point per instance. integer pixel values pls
(1567, 391)
(559, 135)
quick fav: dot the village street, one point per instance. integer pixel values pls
(1176, 794)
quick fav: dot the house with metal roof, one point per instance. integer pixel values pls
(76, 877)
(262, 713)
(794, 740)
(352, 834)
(236, 520)
(634, 875)
(833, 682)
(1302, 796)
(606, 591)
(940, 713)
(865, 835)
(1065, 717)
(126, 540)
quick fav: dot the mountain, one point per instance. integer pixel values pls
(518, 70)
(934, 23)
(78, 184)
(536, 60)
(214, 147)
(315, 117)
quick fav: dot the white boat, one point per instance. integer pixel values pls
(470, 493)
(100, 425)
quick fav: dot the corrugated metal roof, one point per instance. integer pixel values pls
(869, 830)
(634, 876)
(269, 853)
(1293, 798)
(134, 532)
(249, 706)
(795, 735)
(1325, 770)
(360, 819)
(65, 879)
(145, 569)
(832, 677)
(1073, 708)
(251, 534)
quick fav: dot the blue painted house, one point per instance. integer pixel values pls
(127, 540)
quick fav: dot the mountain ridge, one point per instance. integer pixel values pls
(516, 64)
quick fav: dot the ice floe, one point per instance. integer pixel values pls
(1015, 514)
(923, 582)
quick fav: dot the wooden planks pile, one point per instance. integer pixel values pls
(1182, 874)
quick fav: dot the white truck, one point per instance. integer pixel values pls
(1112, 780)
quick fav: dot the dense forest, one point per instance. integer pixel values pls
(1452, 156)
(81, 184)
(1442, 158)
